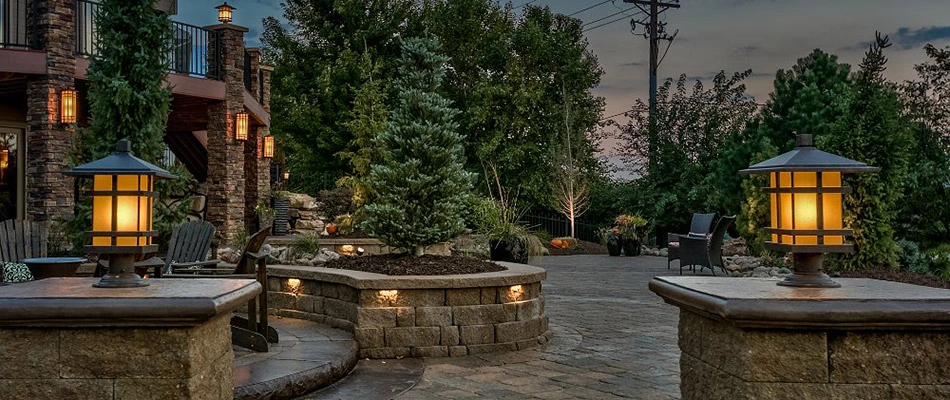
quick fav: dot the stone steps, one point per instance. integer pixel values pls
(309, 356)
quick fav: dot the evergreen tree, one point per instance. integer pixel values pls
(812, 97)
(419, 186)
(875, 132)
(368, 119)
(128, 99)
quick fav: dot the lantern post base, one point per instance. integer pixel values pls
(807, 272)
(121, 273)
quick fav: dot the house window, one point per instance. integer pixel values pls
(11, 177)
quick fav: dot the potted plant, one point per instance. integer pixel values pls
(265, 215)
(281, 206)
(611, 239)
(629, 229)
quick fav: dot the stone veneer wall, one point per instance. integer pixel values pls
(118, 363)
(721, 361)
(424, 322)
(49, 192)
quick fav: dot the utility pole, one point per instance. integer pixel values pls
(655, 32)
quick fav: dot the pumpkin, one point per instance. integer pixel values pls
(332, 228)
(558, 243)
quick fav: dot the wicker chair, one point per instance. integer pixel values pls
(701, 226)
(698, 251)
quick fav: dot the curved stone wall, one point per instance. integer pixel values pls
(418, 316)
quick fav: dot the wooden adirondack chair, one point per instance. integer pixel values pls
(21, 239)
(252, 332)
(187, 248)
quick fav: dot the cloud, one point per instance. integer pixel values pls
(632, 64)
(906, 38)
(747, 50)
(269, 3)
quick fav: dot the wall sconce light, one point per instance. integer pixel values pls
(268, 146)
(68, 105)
(285, 175)
(225, 13)
(123, 192)
(806, 193)
(240, 126)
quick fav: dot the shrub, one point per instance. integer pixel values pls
(307, 243)
(912, 258)
(939, 258)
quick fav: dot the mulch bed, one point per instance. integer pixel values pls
(398, 264)
(581, 248)
(896, 275)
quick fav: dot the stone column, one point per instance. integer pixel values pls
(49, 192)
(225, 154)
(256, 172)
(748, 338)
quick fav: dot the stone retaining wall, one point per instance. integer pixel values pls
(721, 361)
(418, 316)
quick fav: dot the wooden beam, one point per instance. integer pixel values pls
(23, 61)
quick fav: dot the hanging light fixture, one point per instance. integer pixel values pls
(122, 196)
(805, 193)
(268, 146)
(240, 126)
(68, 105)
(225, 13)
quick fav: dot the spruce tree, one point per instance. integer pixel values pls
(873, 131)
(419, 186)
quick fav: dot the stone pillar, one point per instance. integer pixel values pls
(748, 338)
(170, 340)
(49, 192)
(257, 168)
(225, 154)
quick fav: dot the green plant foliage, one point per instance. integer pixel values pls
(319, 66)
(420, 184)
(924, 215)
(912, 258)
(875, 132)
(694, 125)
(811, 97)
(128, 99)
(307, 243)
(240, 240)
(939, 259)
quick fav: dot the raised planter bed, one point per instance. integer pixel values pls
(343, 245)
(418, 316)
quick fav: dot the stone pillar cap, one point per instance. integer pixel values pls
(73, 302)
(858, 304)
(221, 27)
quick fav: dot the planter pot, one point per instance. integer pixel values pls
(508, 250)
(631, 248)
(281, 212)
(613, 248)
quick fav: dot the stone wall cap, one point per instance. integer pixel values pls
(73, 302)
(221, 27)
(516, 274)
(858, 304)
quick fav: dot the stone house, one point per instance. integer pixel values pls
(45, 47)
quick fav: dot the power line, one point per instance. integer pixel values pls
(611, 15)
(608, 23)
(588, 8)
(525, 4)
(615, 115)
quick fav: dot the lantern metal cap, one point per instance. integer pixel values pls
(122, 162)
(225, 5)
(805, 157)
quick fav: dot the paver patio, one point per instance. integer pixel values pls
(613, 338)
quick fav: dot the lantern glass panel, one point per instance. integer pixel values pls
(68, 107)
(240, 129)
(831, 206)
(101, 218)
(773, 198)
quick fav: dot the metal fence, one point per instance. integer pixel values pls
(557, 225)
(194, 50)
(15, 24)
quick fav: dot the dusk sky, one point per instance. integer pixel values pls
(764, 35)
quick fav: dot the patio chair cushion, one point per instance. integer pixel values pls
(673, 244)
(16, 273)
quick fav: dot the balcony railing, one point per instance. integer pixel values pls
(16, 26)
(194, 50)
